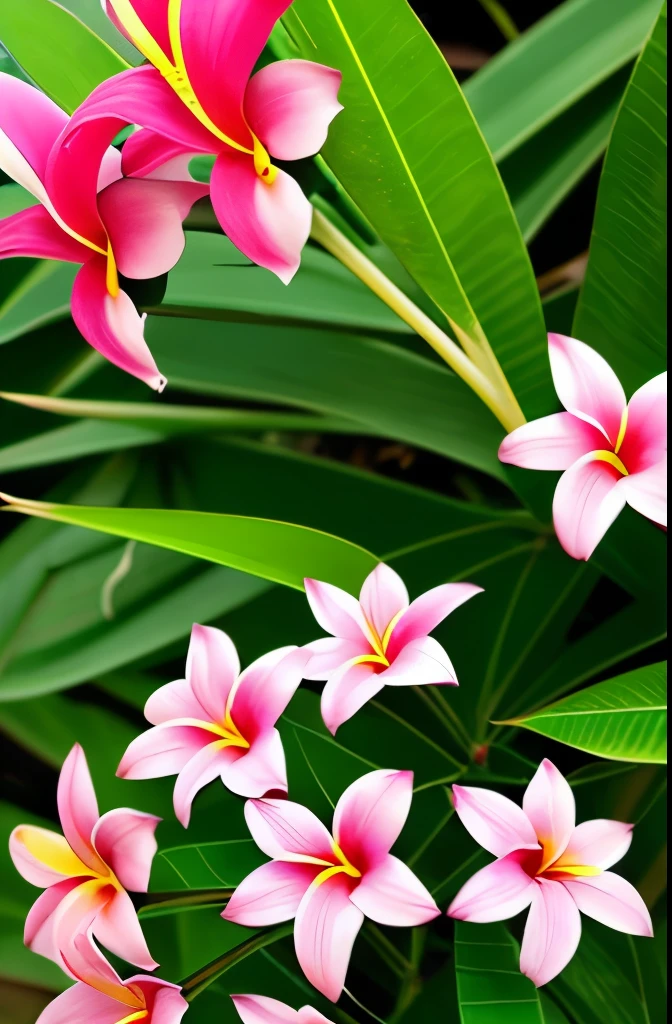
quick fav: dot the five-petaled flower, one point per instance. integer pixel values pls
(263, 1010)
(86, 872)
(379, 640)
(612, 451)
(549, 864)
(330, 884)
(218, 722)
(90, 214)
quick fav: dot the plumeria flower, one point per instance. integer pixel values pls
(331, 884)
(85, 872)
(218, 722)
(262, 1010)
(378, 640)
(549, 864)
(90, 214)
(199, 98)
(612, 451)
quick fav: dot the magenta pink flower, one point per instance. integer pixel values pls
(217, 722)
(612, 451)
(90, 214)
(86, 872)
(379, 640)
(199, 98)
(331, 884)
(262, 1010)
(548, 863)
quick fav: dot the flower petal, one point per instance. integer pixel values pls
(611, 900)
(126, 842)
(78, 807)
(147, 154)
(499, 825)
(154, 16)
(646, 492)
(427, 611)
(585, 505)
(553, 442)
(168, 1005)
(308, 1015)
(263, 1010)
(496, 892)
(336, 611)
(330, 653)
(599, 842)
(422, 661)
(391, 894)
(259, 770)
(327, 923)
(551, 934)
(264, 690)
(43, 857)
(289, 832)
(349, 689)
(209, 763)
(118, 929)
(212, 669)
(38, 933)
(270, 894)
(73, 921)
(549, 804)
(586, 384)
(34, 232)
(645, 441)
(383, 596)
(82, 1004)
(30, 123)
(174, 700)
(270, 224)
(370, 815)
(164, 750)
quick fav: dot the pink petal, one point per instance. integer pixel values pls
(112, 325)
(645, 441)
(118, 929)
(499, 825)
(34, 232)
(496, 892)
(599, 843)
(154, 16)
(168, 1006)
(164, 750)
(209, 763)
(149, 155)
(259, 770)
(289, 832)
(349, 689)
(78, 807)
(126, 841)
(82, 1004)
(265, 688)
(549, 804)
(31, 122)
(383, 596)
(336, 611)
(212, 669)
(370, 815)
(290, 105)
(308, 1015)
(110, 168)
(38, 934)
(327, 923)
(611, 900)
(586, 384)
(174, 700)
(552, 932)
(73, 922)
(330, 654)
(392, 895)
(646, 492)
(585, 505)
(553, 442)
(420, 662)
(270, 894)
(43, 857)
(270, 224)
(427, 611)
(263, 1010)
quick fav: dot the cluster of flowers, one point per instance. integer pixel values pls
(219, 722)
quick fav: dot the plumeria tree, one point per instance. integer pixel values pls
(331, 393)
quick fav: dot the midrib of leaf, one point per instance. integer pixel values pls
(601, 711)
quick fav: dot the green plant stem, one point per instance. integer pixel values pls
(440, 714)
(501, 18)
(436, 694)
(364, 1008)
(162, 903)
(395, 960)
(411, 983)
(203, 978)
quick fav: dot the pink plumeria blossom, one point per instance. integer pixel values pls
(548, 863)
(330, 884)
(199, 98)
(218, 722)
(613, 451)
(90, 214)
(263, 1010)
(85, 873)
(378, 640)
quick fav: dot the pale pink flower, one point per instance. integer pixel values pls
(330, 884)
(262, 1010)
(612, 451)
(218, 722)
(379, 640)
(86, 872)
(549, 864)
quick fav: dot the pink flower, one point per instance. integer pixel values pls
(330, 884)
(85, 875)
(217, 722)
(548, 862)
(199, 98)
(262, 1010)
(379, 640)
(613, 452)
(90, 214)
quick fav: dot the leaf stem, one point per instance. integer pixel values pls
(439, 713)
(501, 18)
(203, 978)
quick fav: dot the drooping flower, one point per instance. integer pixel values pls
(199, 98)
(613, 452)
(85, 873)
(90, 214)
(378, 640)
(330, 884)
(218, 722)
(262, 1010)
(546, 862)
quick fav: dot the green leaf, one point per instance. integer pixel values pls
(623, 719)
(214, 865)
(73, 442)
(490, 986)
(42, 297)
(93, 15)
(64, 57)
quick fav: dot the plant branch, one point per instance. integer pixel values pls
(203, 978)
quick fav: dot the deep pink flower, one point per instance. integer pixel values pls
(217, 722)
(331, 884)
(548, 862)
(612, 451)
(262, 1010)
(86, 872)
(199, 98)
(378, 640)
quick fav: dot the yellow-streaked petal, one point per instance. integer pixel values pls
(51, 850)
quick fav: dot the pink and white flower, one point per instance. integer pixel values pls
(329, 884)
(263, 1010)
(85, 873)
(379, 640)
(218, 722)
(613, 451)
(548, 863)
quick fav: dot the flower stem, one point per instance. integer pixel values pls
(198, 982)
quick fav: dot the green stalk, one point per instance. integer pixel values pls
(203, 978)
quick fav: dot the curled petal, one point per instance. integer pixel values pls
(392, 895)
(586, 385)
(645, 441)
(83, 1003)
(496, 892)
(174, 700)
(646, 492)
(499, 825)
(600, 843)
(270, 894)
(259, 770)
(611, 900)
(154, 16)
(330, 653)
(78, 807)
(38, 933)
(553, 442)
(349, 689)
(383, 596)
(212, 668)
(265, 688)
(149, 155)
(420, 662)
(73, 922)
(263, 1010)
(209, 763)
(43, 857)
(586, 502)
(549, 804)
(34, 232)
(370, 815)
(126, 842)
(427, 611)
(552, 932)
(289, 832)
(164, 750)
(327, 923)
(30, 123)
(118, 929)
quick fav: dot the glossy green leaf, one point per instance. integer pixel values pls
(92, 14)
(215, 865)
(42, 297)
(490, 986)
(73, 442)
